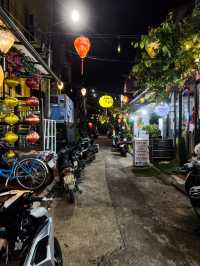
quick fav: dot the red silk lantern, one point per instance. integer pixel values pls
(32, 101)
(32, 137)
(33, 83)
(32, 120)
(82, 45)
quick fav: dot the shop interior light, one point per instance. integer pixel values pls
(144, 112)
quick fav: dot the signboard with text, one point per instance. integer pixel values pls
(140, 152)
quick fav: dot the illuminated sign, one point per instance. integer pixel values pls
(162, 109)
(106, 101)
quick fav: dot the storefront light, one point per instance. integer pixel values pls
(144, 112)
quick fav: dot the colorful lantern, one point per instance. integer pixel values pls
(125, 99)
(82, 46)
(32, 120)
(11, 101)
(11, 82)
(142, 100)
(10, 137)
(106, 101)
(7, 39)
(1, 76)
(33, 83)
(32, 102)
(10, 154)
(32, 137)
(11, 119)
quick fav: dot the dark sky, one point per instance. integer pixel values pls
(116, 17)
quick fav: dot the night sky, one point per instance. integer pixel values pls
(107, 69)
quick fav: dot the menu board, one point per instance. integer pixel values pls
(141, 152)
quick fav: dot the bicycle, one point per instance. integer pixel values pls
(30, 173)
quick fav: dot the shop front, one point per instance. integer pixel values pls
(25, 85)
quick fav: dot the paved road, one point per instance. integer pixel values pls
(121, 219)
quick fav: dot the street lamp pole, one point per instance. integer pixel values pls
(84, 93)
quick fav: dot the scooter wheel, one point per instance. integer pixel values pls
(71, 196)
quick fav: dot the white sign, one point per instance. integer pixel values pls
(141, 152)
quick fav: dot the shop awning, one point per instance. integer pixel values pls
(26, 46)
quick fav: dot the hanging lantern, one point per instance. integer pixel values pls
(125, 99)
(10, 137)
(7, 39)
(82, 46)
(10, 154)
(11, 101)
(60, 85)
(1, 76)
(32, 102)
(33, 83)
(32, 137)
(32, 120)
(11, 119)
(11, 82)
(142, 100)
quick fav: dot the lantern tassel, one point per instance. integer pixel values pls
(82, 67)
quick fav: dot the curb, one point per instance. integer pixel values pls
(173, 180)
(179, 183)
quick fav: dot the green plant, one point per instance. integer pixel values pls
(168, 55)
(152, 130)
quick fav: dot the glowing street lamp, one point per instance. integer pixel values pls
(83, 92)
(75, 16)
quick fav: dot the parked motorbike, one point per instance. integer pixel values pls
(192, 183)
(26, 233)
(123, 147)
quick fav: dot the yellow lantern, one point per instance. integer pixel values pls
(142, 100)
(11, 102)
(10, 137)
(102, 119)
(60, 85)
(152, 48)
(12, 82)
(11, 119)
(10, 154)
(7, 39)
(1, 76)
(106, 101)
(125, 99)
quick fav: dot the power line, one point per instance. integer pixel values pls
(102, 59)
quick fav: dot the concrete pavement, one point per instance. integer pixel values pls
(121, 219)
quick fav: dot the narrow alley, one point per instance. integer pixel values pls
(121, 219)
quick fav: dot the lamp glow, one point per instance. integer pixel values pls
(7, 39)
(83, 91)
(60, 85)
(75, 16)
(144, 112)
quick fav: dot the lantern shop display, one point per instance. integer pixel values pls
(11, 137)
(11, 119)
(33, 137)
(32, 120)
(32, 102)
(11, 101)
